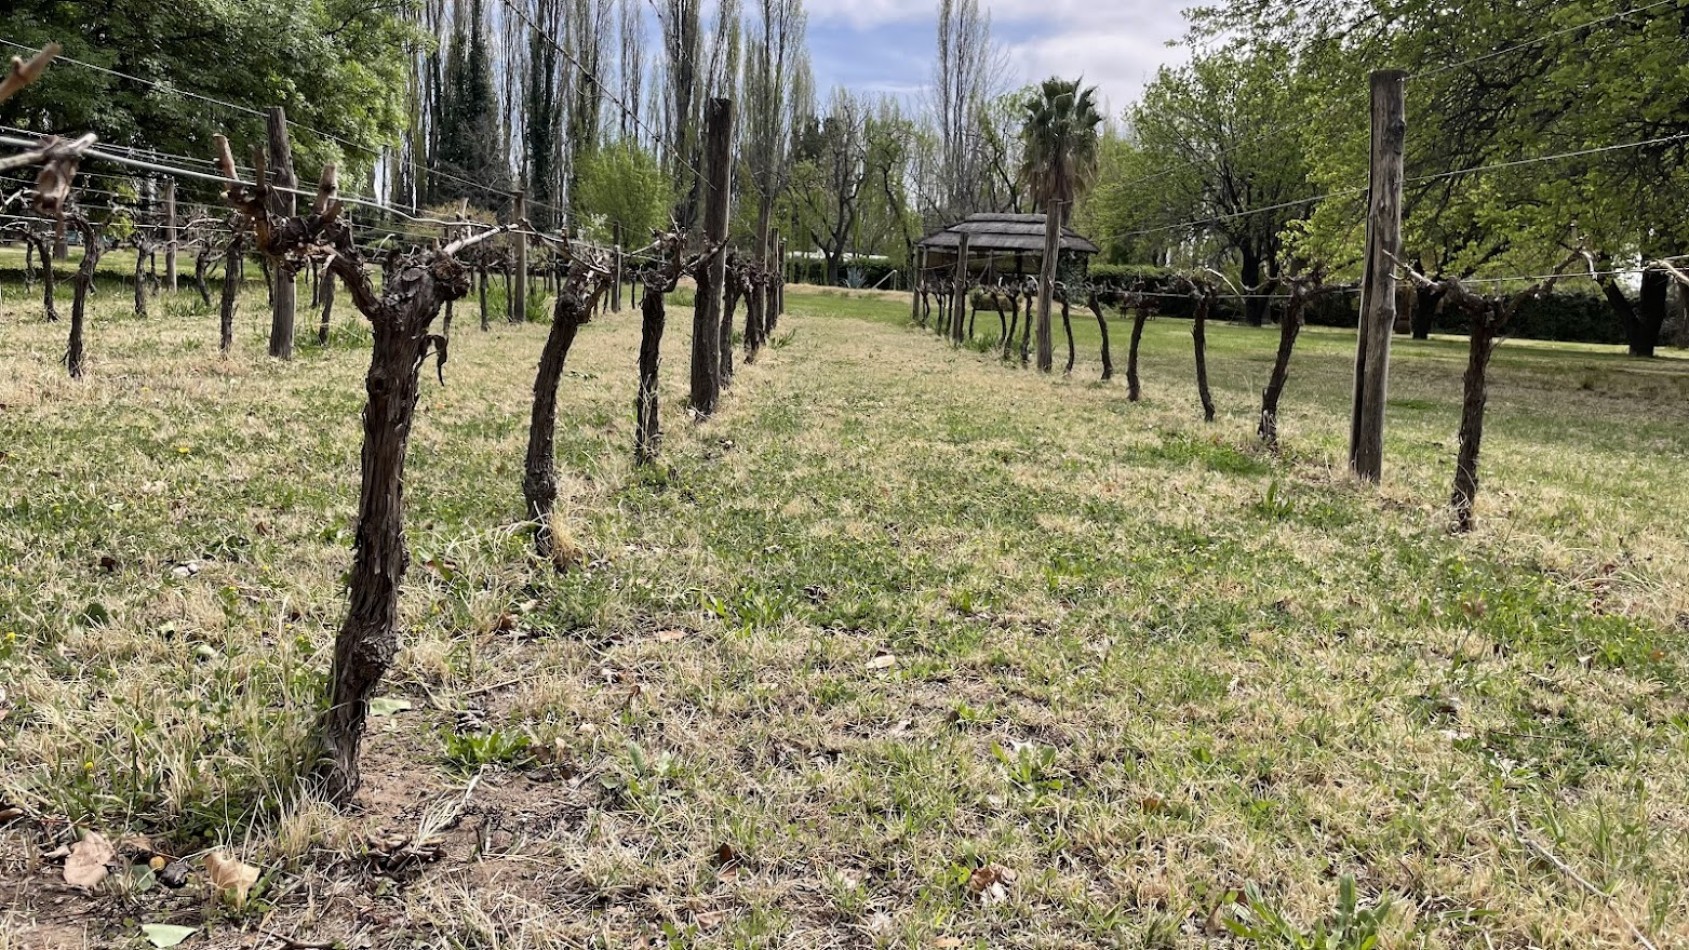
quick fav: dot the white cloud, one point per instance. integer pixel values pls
(1116, 45)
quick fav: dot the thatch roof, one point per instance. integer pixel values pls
(997, 233)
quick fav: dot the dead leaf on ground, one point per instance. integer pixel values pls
(231, 877)
(710, 919)
(671, 636)
(86, 866)
(884, 661)
(991, 883)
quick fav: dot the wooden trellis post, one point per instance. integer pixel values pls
(170, 234)
(707, 314)
(919, 264)
(616, 271)
(959, 303)
(1378, 284)
(519, 289)
(283, 295)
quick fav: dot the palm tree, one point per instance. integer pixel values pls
(1060, 161)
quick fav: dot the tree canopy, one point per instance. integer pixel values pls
(1533, 127)
(338, 66)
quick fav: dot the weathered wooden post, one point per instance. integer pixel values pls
(616, 271)
(919, 267)
(706, 317)
(1378, 284)
(519, 288)
(170, 234)
(959, 301)
(283, 297)
(776, 270)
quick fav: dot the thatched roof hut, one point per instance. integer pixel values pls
(1019, 237)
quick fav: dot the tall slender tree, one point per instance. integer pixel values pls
(1060, 140)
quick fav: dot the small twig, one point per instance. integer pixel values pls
(291, 944)
(1572, 873)
(479, 690)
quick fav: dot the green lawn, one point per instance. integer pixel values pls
(906, 647)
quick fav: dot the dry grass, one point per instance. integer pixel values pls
(898, 613)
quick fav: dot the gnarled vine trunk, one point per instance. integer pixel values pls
(84, 283)
(1199, 341)
(731, 294)
(231, 287)
(1067, 325)
(1133, 390)
(141, 282)
(1290, 325)
(1102, 327)
(368, 638)
(648, 438)
(325, 291)
(539, 473)
(1475, 389)
(202, 262)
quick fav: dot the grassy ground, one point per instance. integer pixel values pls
(898, 620)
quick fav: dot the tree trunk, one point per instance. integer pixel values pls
(368, 639)
(1067, 325)
(1047, 287)
(1199, 340)
(1651, 312)
(141, 283)
(1424, 311)
(325, 291)
(1289, 326)
(539, 478)
(1133, 390)
(79, 301)
(1002, 320)
(1476, 393)
(648, 439)
(1102, 327)
(231, 287)
(285, 304)
(1255, 305)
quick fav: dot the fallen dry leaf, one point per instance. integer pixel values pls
(86, 865)
(882, 662)
(230, 876)
(710, 919)
(671, 636)
(991, 883)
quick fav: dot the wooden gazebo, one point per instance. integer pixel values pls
(1000, 244)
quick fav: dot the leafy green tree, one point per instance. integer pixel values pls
(338, 66)
(621, 183)
(1212, 144)
(1532, 126)
(1059, 138)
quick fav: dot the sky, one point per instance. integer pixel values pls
(889, 45)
